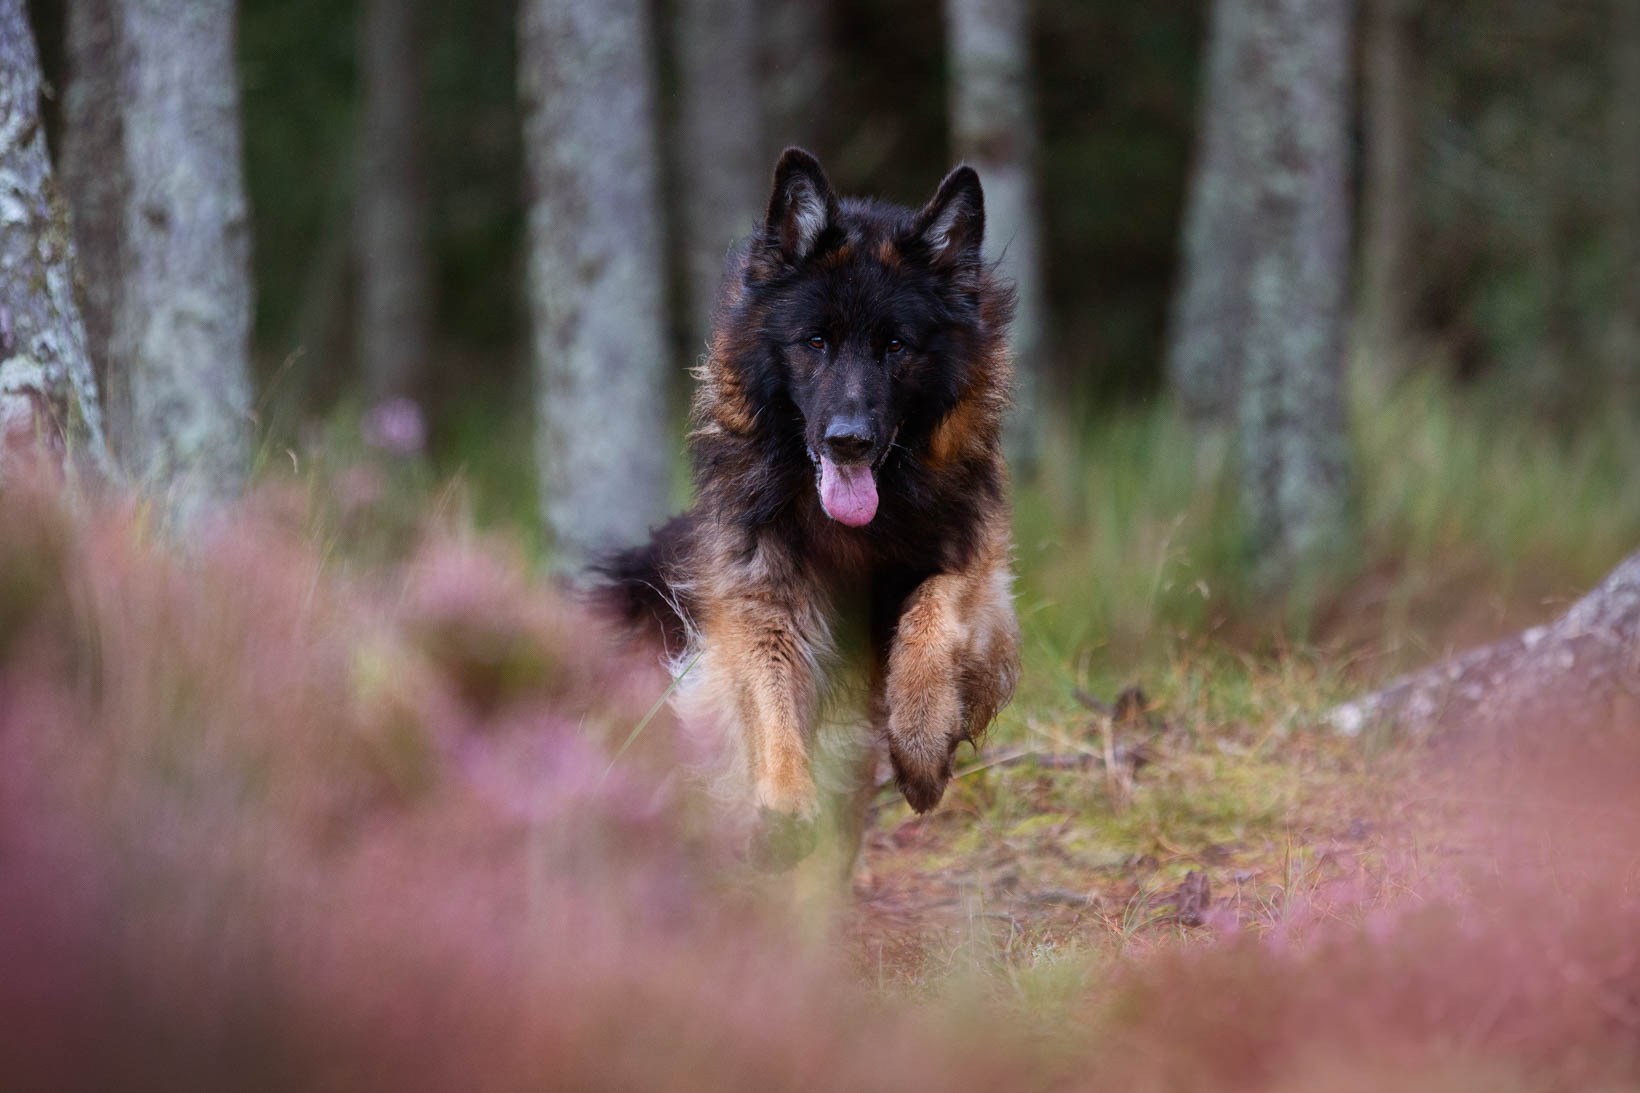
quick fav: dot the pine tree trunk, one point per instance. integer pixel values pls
(155, 177)
(1387, 274)
(47, 391)
(1209, 313)
(1292, 441)
(394, 277)
(722, 169)
(1573, 671)
(796, 63)
(595, 270)
(993, 123)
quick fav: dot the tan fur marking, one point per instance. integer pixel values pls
(970, 431)
(761, 640)
(888, 254)
(840, 257)
(952, 667)
(957, 437)
(720, 398)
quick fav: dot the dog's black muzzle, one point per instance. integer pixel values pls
(848, 440)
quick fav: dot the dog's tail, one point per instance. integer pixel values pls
(646, 588)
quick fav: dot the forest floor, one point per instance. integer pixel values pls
(1078, 831)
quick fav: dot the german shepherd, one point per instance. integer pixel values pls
(847, 460)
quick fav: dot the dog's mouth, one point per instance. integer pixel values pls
(848, 491)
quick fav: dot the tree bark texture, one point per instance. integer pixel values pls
(1209, 313)
(47, 390)
(993, 123)
(156, 179)
(723, 170)
(1388, 283)
(1577, 670)
(95, 187)
(595, 270)
(395, 293)
(1291, 435)
(796, 75)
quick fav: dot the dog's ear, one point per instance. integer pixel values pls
(801, 207)
(952, 225)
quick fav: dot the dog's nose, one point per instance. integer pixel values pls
(848, 439)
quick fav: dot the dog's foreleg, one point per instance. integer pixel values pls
(952, 666)
(924, 704)
(766, 667)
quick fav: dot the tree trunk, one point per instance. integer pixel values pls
(595, 262)
(96, 190)
(1387, 275)
(1624, 350)
(993, 122)
(1575, 670)
(394, 277)
(156, 181)
(796, 59)
(722, 169)
(1292, 442)
(47, 390)
(1209, 316)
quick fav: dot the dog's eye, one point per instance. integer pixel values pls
(895, 345)
(817, 342)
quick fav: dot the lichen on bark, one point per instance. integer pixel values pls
(47, 390)
(1292, 442)
(155, 176)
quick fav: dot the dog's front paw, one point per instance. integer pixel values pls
(922, 769)
(787, 826)
(782, 839)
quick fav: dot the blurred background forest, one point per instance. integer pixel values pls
(1479, 166)
(1511, 180)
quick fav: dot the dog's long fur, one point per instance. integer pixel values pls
(886, 319)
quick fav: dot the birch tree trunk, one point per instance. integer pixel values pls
(394, 277)
(1209, 313)
(155, 175)
(95, 186)
(1576, 670)
(1291, 428)
(993, 122)
(47, 390)
(595, 270)
(721, 161)
(1387, 275)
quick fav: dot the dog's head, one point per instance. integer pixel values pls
(870, 316)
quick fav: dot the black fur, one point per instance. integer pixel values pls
(817, 270)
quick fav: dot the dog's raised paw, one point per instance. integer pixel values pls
(921, 781)
(781, 839)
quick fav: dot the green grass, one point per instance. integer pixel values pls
(1471, 516)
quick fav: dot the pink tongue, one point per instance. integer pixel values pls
(848, 493)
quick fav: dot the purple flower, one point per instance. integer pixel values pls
(395, 426)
